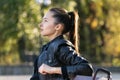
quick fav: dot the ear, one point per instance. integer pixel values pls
(59, 27)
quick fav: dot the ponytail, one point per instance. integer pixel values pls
(73, 32)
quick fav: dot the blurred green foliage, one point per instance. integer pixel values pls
(99, 29)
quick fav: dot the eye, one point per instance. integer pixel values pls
(45, 20)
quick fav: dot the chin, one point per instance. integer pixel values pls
(43, 34)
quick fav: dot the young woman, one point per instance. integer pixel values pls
(58, 59)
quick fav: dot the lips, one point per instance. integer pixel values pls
(41, 29)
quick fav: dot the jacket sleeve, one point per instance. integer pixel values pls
(73, 64)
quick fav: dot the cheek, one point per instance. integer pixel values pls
(49, 29)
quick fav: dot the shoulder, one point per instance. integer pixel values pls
(60, 44)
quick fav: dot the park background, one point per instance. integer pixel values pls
(20, 39)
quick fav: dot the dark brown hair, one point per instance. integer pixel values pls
(69, 20)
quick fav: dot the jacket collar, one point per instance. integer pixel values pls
(56, 38)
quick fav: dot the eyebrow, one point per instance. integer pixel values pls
(45, 18)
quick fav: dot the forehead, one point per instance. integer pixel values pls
(49, 14)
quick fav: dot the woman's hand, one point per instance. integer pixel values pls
(46, 69)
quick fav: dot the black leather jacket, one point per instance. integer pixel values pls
(61, 53)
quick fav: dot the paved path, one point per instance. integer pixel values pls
(15, 77)
(115, 76)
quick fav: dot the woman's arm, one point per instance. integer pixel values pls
(73, 64)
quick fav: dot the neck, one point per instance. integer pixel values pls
(53, 36)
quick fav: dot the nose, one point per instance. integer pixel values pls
(40, 24)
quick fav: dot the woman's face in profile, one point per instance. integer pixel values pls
(47, 26)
